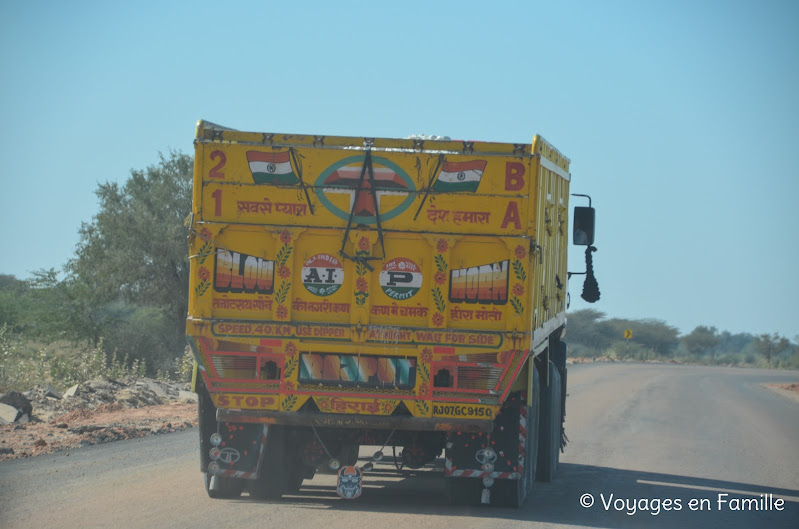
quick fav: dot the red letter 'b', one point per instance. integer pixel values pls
(514, 176)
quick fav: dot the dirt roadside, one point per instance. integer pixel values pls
(790, 391)
(99, 411)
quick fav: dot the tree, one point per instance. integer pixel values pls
(770, 346)
(586, 328)
(657, 335)
(13, 302)
(792, 362)
(650, 336)
(701, 340)
(134, 250)
(54, 310)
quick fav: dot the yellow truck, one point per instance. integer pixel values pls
(404, 293)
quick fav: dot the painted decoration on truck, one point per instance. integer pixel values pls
(520, 273)
(322, 274)
(205, 250)
(483, 284)
(239, 272)
(460, 176)
(440, 277)
(458, 217)
(349, 405)
(245, 401)
(376, 371)
(344, 177)
(378, 334)
(400, 278)
(284, 274)
(265, 207)
(271, 168)
(362, 282)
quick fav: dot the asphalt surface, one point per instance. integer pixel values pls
(653, 446)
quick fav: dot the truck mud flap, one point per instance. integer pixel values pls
(237, 450)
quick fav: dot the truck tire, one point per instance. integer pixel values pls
(349, 454)
(206, 419)
(513, 492)
(224, 488)
(550, 426)
(274, 479)
(533, 432)
(464, 491)
(559, 349)
(299, 472)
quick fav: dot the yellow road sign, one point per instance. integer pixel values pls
(628, 333)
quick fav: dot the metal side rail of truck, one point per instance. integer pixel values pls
(350, 291)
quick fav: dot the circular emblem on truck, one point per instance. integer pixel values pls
(322, 274)
(400, 278)
(346, 177)
(229, 455)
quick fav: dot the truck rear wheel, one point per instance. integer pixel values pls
(349, 454)
(299, 472)
(223, 488)
(463, 491)
(550, 427)
(509, 492)
(513, 492)
(217, 487)
(274, 479)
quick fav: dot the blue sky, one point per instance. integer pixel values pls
(681, 119)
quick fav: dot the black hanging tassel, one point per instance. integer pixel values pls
(590, 287)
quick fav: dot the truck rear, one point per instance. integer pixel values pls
(405, 293)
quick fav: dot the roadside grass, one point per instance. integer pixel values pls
(26, 362)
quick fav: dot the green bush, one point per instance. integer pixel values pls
(26, 363)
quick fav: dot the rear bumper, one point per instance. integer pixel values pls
(338, 420)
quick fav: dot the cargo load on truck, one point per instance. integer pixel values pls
(351, 291)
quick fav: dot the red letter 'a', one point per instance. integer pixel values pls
(512, 216)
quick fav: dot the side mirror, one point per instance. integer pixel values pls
(583, 227)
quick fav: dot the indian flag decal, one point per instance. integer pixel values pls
(460, 176)
(400, 278)
(272, 168)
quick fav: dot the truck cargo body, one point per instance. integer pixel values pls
(349, 291)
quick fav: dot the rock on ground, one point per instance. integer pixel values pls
(97, 411)
(18, 401)
(8, 414)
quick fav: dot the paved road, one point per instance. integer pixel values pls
(638, 432)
